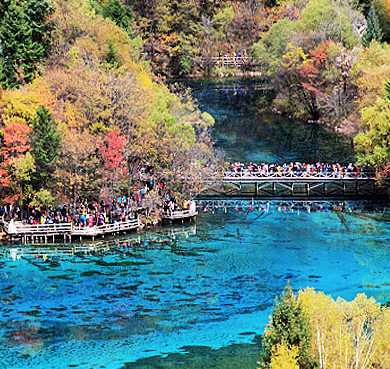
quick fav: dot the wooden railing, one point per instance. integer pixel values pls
(18, 228)
(15, 227)
(229, 60)
(179, 214)
(106, 228)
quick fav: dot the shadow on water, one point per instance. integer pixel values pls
(247, 130)
(243, 356)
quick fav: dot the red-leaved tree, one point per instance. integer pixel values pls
(15, 145)
(115, 167)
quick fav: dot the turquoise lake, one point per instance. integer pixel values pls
(195, 295)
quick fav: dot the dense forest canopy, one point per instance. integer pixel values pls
(82, 116)
(83, 85)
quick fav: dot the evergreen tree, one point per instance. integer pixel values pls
(24, 39)
(373, 29)
(2, 74)
(45, 142)
(288, 327)
(115, 10)
(112, 56)
(364, 6)
(38, 13)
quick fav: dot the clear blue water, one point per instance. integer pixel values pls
(211, 286)
(199, 298)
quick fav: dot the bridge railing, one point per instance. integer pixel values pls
(245, 174)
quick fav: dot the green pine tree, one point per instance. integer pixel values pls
(112, 56)
(38, 13)
(2, 73)
(24, 39)
(45, 143)
(373, 29)
(118, 13)
(289, 326)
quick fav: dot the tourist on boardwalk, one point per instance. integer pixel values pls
(298, 169)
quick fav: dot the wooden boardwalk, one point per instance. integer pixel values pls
(179, 215)
(67, 232)
(297, 184)
(48, 232)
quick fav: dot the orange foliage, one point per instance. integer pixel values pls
(387, 3)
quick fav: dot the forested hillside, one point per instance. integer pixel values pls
(329, 63)
(84, 106)
(81, 114)
(327, 60)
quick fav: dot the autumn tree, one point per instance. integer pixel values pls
(294, 67)
(343, 333)
(372, 143)
(78, 167)
(16, 163)
(285, 358)
(113, 160)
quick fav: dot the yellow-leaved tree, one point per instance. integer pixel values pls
(343, 333)
(284, 357)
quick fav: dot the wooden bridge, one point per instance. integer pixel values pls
(229, 61)
(337, 185)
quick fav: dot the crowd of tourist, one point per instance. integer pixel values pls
(298, 168)
(124, 208)
(88, 214)
(83, 215)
